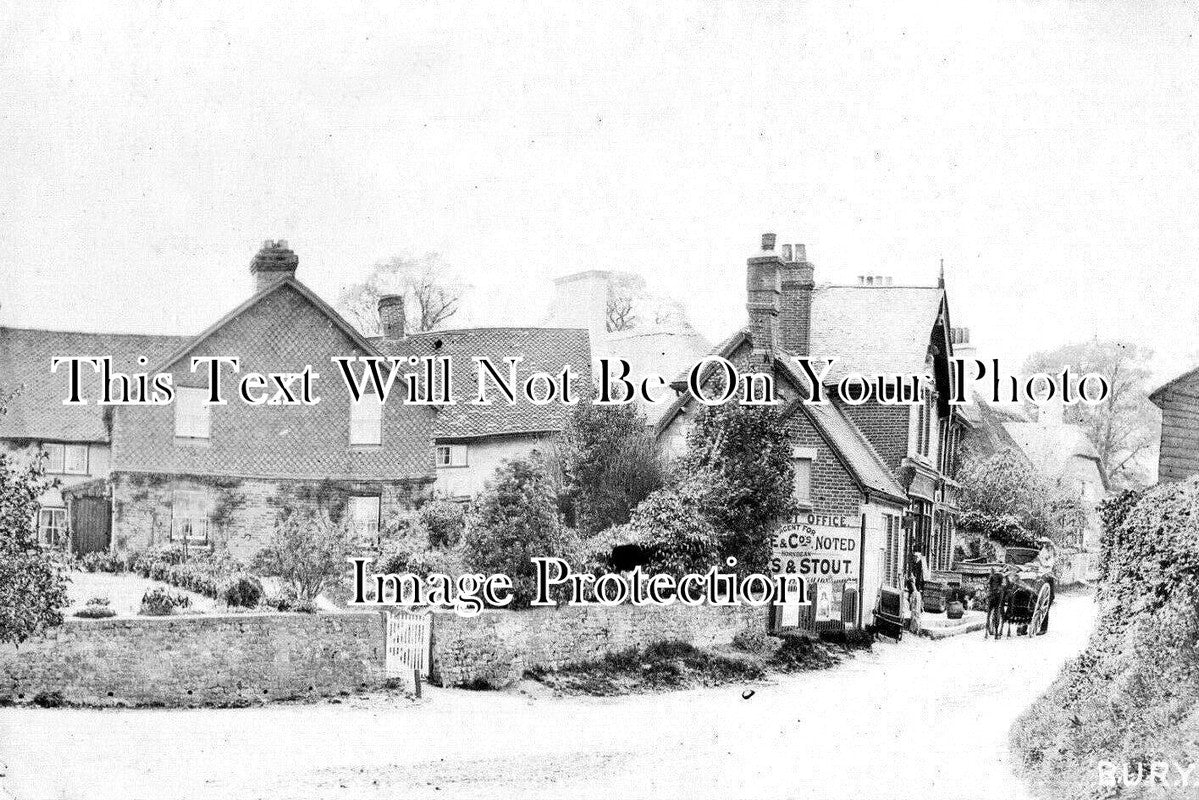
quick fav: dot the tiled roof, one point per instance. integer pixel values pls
(873, 330)
(542, 349)
(1183, 384)
(36, 411)
(855, 451)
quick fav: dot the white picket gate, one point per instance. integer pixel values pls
(408, 643)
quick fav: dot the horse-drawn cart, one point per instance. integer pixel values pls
(1018, 591)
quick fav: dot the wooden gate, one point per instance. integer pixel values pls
(408, 643)
(91, 518)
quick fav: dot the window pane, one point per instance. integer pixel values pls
(75, 459)
(443, 455)
(52, 526)
(458, 455)
(366, 421)
(364, 516)
(192, 416)
(189, 517)
(803, 480)
(54, 458)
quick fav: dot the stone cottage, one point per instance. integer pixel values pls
(198, 475)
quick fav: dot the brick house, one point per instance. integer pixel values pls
(864, 469)
(208, 475)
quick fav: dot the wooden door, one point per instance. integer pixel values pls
(91, 518)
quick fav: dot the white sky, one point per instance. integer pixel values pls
(1046, 151)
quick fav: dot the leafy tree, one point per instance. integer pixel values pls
(1124, 428)
(516, 519)
(431, 290)
(32, 586)
(1006, 500)
(605, 462)
(307, 551)
(740, 457)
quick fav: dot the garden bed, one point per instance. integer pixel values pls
(124, 592)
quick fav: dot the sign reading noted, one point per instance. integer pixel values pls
(824, 550)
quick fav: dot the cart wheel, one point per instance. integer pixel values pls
(1040, 612)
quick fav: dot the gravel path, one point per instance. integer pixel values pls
(918, 719)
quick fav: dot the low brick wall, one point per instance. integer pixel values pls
(203, 660)
(496, 647)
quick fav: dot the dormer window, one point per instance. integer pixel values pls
(366, 421)
(193, 416)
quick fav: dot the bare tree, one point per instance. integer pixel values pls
(431, 288)
(1124, 428)
(625, 292)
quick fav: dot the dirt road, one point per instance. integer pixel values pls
(918, 719)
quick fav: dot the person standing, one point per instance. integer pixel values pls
(919, 570)
(915, 604)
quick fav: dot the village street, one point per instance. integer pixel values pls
(917, 719)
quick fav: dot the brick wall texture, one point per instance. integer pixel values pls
(198, 660)
(496, 647)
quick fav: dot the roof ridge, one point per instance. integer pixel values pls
(95, 333)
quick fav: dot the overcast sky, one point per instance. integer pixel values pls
(1046, 151)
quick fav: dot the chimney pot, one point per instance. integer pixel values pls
(274, 262)
(787, 252)
(768, 240)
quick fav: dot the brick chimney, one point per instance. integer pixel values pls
(273, 262)
(795, 316)
(763, 287)
(391, 315)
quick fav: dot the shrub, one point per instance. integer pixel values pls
(161, 602)
(516, 519)
(95, 612)
(443, 522)
(242, 591)
(308, 550)
(738, 463)
(98, 601)
(671, 525)
(605, 462)
(32, 585)
(755, 639)
(1135, 689)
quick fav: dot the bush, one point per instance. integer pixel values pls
(32, 586)
(161, 602)
(671, 526)
(243, 591)
(103, 562)
(98, 601)
(738, 463)
(443, 522)
(307, 551)
(95, 612)
(755, 639)
(516, 519)
(1135, 689)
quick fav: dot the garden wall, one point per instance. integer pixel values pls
(203, 660)
(496, 647)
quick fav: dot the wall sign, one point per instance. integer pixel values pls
(826, 555)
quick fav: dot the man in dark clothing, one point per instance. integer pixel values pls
(919, 570)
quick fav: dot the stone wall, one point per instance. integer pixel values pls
(496, 647)
(232, 659)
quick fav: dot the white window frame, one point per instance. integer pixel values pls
(805, 455)
(79, 451)
(55, 453)
(193, 416)
(191, 517)
(451, 455)
(48, 533)
(366, 421)
(364, 528)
